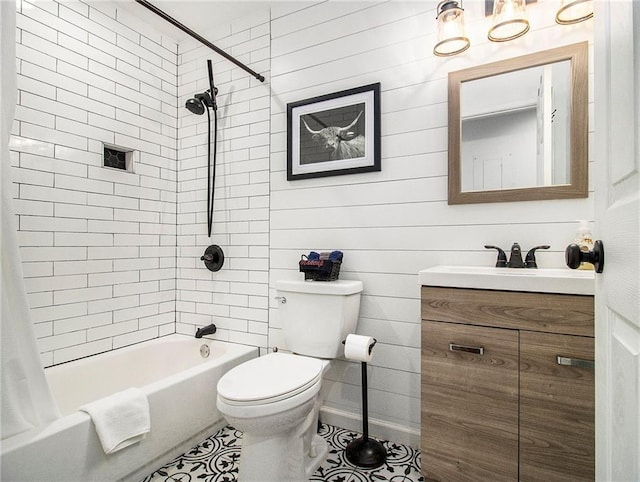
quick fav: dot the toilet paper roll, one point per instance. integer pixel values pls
(356, 347)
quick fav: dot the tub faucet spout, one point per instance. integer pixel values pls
(207, 330)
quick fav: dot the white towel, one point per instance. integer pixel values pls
(120, 419)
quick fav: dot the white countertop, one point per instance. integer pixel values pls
(540, 280)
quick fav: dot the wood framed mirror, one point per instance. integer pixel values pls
(518, 128)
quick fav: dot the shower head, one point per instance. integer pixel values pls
(195, 106)
(199, 102)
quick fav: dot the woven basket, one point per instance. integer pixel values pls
(320, 270)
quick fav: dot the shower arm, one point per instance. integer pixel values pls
(198, 37)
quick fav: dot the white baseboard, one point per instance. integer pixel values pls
(377, 428)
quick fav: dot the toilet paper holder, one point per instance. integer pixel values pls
(370, 346)
(364, 451)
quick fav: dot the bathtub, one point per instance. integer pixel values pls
(180, 385)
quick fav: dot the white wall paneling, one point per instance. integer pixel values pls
(393, 223)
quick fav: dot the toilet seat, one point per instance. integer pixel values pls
(269, 379)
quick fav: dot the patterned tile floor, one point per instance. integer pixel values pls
(216, 460)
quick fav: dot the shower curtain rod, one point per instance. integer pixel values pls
(198, 37)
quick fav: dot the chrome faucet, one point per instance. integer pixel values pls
(515, 257)
(207, 330)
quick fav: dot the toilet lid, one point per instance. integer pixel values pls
(269, 378)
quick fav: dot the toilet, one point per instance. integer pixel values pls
(275, 399)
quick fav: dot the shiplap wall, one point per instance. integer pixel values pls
(234, 298)
(393, 223)
(98, 245)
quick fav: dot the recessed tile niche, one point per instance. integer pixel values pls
(118, 158)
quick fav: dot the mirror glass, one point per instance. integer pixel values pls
(515, 129)
(515, 133)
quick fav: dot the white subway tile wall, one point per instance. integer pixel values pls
(98, 245)
(236, 297)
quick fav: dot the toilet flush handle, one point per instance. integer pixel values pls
(281, 299)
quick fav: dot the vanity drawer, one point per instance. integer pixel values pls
(469, 415)
(552, 313)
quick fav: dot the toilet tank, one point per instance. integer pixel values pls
(318, 315)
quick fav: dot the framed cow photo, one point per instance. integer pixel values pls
(334, 134)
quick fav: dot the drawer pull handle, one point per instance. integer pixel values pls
(479, 350)
(574, 362)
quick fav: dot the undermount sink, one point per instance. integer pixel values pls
(542, 280)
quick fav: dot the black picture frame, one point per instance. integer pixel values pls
(334, 134)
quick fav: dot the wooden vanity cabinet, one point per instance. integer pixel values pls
(496, 403)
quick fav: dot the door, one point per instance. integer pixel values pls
(617, 158)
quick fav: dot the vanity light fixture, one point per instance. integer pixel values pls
(574, 11)
(509, 20)
(451, 36)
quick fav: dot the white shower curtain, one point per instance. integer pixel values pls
(26, 398)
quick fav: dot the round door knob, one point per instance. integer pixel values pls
(574, 256)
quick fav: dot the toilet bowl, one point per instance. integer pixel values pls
(275, 399)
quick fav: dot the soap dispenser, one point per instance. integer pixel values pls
(584, 239)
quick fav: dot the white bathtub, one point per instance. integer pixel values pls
(180, 386)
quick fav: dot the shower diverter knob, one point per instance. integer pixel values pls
(213, 258)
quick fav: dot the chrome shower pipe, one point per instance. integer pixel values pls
(198, 37)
